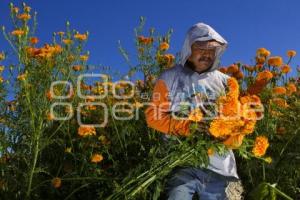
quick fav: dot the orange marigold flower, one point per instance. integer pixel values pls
(24, 16)
(1, 79)
(234, 88)
(221, 127)
(56, 182)
(285, 69)
(164, 46)
(67, 41)
(238, 75)
(291, 53)
(264, 75)
(49, 95)
(1, 68)
(210, 151)
(234, 142)
(223, 70)
(77, 67)
(80, 37)
(84, 57)
(228, 106)
(50, 116)
(60, 33)
(145, 40)
(263, 52)
(34, 40)
(166, 59)
(232, 69)
(250, 99)
(96, 158)
(279, 90)
(196, 115)
(291, 88)
(15, 10)
(22, 77)
(275, 61)
(86, 131)
(18, 32)
(27, 9)
(260, 146)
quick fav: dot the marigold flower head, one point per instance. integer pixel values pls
(233, 87)
(291, 88)
(50, 116)
(1, 79)
(27, 9)
(222, 127)
(164, 46)
(279, 90)
(18, 32)
(285, 69)
(84, 57)
(234, 142)
(49, 95)
(196, 115)
(96, 158)
(80, 37)
(86, 131)
(228, 106)
(24, 16)
(67, 41)
(22, 77)
(260, 146)
(15, 10)
(145, 40)
(275, 61)
(223, 70)
(60, 33)
(210, 151)
(264, 75)
(56, 182)
(34, 40)
(238, 75)
(233, 68)
(166, 59)
(291, 53)
(263, 52)
(77, 67)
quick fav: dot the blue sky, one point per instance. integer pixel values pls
(245, 24)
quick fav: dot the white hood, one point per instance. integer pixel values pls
(202, 32)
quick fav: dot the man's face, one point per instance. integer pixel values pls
(203, 54)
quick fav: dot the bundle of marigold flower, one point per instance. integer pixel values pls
(236, 116)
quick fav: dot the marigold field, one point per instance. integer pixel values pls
(61, 137)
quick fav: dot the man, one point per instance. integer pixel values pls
(196, 72)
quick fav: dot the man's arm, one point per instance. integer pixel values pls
(158, 117)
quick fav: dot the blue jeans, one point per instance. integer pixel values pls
(208, 185)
